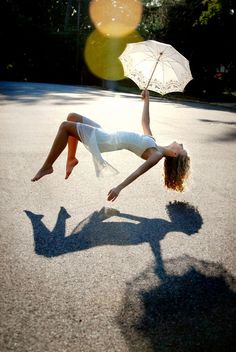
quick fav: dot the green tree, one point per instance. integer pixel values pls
(35, 45)
(200, 29)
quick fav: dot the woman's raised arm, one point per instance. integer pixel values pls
(145, 114)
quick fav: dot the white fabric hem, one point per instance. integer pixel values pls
(87, 135)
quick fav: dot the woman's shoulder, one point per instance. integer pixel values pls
(150, 136)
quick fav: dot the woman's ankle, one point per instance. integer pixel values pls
(46, 167)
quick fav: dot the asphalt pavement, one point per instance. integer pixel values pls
(153, 271)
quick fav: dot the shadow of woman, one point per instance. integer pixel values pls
(96, 231)
(180, 305)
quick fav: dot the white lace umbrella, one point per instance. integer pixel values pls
(156, 66)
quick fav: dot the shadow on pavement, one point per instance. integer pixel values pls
(95, 231)
(230, 123)
(30, 93)
(227, 136)
(230, 107)
(191, 309)
(180, 305)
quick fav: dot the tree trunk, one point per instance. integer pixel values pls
(78, 14)
(77, 57)
(67, 16)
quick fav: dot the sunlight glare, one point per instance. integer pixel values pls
(115, 18)
(102, 54)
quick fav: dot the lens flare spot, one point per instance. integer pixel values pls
(115, 18)
(102, 54)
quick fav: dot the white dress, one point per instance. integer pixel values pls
(98, 141)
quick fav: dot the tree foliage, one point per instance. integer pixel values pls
(201, 29)
(39, 43)
(44, 40)
(214, 9)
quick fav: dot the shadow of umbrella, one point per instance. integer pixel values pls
(194, 310)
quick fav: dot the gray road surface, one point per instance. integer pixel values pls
(155, 270)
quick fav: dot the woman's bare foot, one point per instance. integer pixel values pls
(70, 166)
(42, 172)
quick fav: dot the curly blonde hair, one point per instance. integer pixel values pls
(176, 171)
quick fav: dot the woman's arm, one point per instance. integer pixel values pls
(145, 114)
(148, 164)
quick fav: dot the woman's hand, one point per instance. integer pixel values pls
(145, 94)
(113, 194)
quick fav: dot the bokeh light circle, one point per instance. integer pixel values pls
(102, 54)
(115, 18)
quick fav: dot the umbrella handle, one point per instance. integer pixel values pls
(153, 70)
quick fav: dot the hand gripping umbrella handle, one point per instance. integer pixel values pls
(154, 70)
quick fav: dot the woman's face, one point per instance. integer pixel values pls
(179, 149)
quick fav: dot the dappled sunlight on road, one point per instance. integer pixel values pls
(33, 93)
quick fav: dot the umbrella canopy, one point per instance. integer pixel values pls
(156, 66)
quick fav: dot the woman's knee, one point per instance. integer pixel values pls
(72, 116)
(64, 125)
(69, 127)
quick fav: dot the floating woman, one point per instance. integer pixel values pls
(96, 140)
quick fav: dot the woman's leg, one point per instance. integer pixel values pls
(72, 146)
(73, 142)
(66, 130)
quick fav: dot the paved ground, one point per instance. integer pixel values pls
(156, 272)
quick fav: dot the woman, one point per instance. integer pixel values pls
(96, 140)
